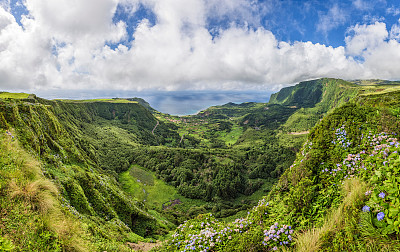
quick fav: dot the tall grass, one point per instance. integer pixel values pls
(23, 184)
(311, 240)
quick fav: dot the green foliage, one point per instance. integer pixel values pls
(253, 233)
(305, 94)
(345, 144)
(87, 193)
(6, 245)
(145, 187)
(219, 161)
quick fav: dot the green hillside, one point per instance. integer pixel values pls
(313, 99)
(81, 190)
(314, 169)
(340, 194)
(7, 95)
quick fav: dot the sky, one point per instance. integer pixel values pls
(180, 45)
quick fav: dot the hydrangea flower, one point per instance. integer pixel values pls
(380, 216)
(365, 209)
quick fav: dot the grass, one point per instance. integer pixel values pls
(113, 100)
(254, 197)
(231, 137)
(380, 89)
(291, 140)
(4, 95)
(144, 186)
(31, 213)
(312, 240)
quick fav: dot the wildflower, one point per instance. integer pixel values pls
(368, 193)
(365, 209)
(382, 195)
(380, 216)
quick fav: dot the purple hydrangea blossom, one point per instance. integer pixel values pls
(380, 216)
(365, 209)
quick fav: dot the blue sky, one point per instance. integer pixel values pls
(174, 45)
(324, 22)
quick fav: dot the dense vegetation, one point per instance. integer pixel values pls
(84, 190)
(341, 193)
(113, 172)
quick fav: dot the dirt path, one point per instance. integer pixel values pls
(182, 138)
(152, 132)
(299, 133)
(143, 246)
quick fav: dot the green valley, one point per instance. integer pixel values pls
(314, 169)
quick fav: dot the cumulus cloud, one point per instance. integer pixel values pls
(379, 51)
(75, 45)
(5, 4)
(365, 38)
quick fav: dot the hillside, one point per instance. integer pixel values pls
(109, 173)
(340, 194)
(83, 187)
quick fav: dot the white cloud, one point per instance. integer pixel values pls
(395, 31)
(380, 52)
(334, 18)
(238, 10)
(393, 11)
(5, 4)
(365, 37)
(362, 5)
(25, 54)
(67, 49)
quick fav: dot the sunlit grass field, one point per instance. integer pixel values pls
(144, 186)
(5, 95)
(115, 100)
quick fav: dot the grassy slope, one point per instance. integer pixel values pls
(52, 143)
(99, 100)
(157, 195)
(324, 95)
(6, 95)
(94, 196)
(146, 187)
(321, 203)
(32, 218)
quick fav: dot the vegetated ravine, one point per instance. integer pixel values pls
(315, 168)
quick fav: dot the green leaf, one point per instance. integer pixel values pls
(393, 211)
(389, 229)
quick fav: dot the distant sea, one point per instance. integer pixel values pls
(172, 102)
